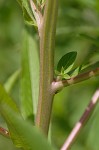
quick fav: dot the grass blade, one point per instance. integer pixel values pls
(23, 134)
(30, 75)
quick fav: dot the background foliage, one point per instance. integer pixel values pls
(77, 30)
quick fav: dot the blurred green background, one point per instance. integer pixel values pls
(77, 30)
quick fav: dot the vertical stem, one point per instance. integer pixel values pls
(47, 44)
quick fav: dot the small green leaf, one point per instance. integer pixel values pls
(66, 76)
(27, 18)
(23, 134)
(27, 12)
(66, 62)
(83, 68)
(62, 70)
(75, 71)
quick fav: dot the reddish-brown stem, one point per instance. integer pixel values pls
(77, 128)
(58, 85)
(38, 15)
(4, 132)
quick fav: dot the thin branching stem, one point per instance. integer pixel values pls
(80, 124)
(58, 85)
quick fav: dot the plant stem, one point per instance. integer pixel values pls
(47, 44)
(58, 85)
(77, 128)
(37, 13)
(4, 132)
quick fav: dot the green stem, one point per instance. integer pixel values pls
(47, 44)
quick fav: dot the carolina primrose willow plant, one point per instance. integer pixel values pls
(41, 15)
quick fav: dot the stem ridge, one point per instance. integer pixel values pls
(47, 44)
